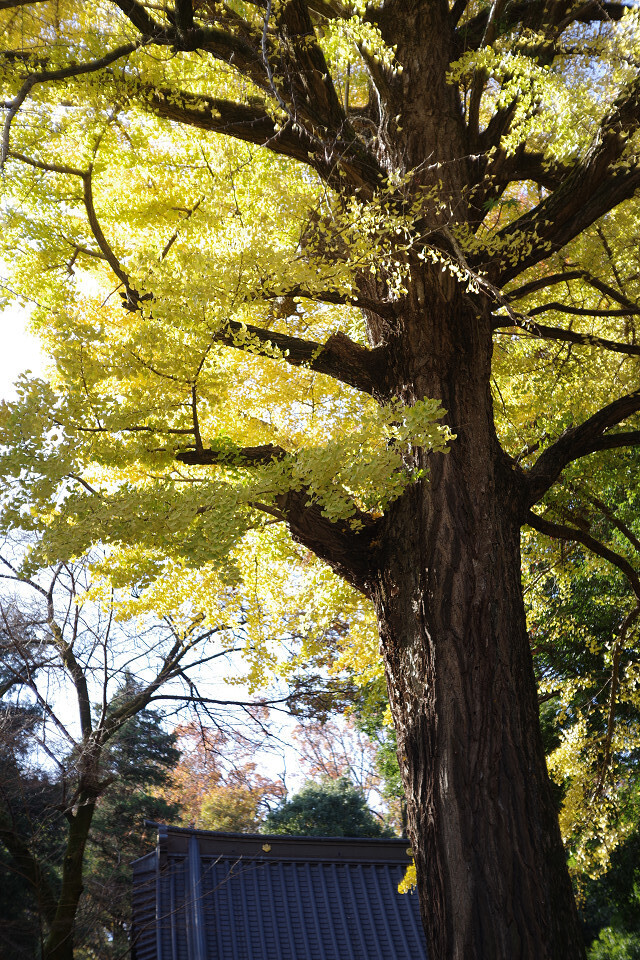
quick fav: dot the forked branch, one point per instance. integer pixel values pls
(253, 124)
(133, 298)
(532, 14)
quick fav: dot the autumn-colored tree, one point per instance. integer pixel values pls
(360, 748)
(216, 784)
(350, 281)
(334, 749)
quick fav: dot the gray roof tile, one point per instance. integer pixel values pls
(216, 896)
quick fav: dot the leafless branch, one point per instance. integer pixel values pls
(542, 332)
(584, 275)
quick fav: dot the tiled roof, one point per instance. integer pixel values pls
(204, 895)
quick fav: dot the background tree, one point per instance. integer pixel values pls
(436, 177)
(582, 592)
(32, 832)
(610, 902)
(360, 748)
(334, 807)
(139, 761)
(216, 784)
(584, 599)
(334, 750)
(81, 749)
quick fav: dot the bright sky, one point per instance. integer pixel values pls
(19, 350)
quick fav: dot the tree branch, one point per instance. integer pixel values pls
(530, 13)
(614, 520)
(494, 14)
(252, 124)
(549, 281)
(14, 106)
(49, 167)
(612, 441)
(339, 357)
(259, 456)
(87, 189)
(345, 549)
(458, 9)
(184, 15)
(563, 532)
(558, 307)
(133, 298)
(543, 332)
(578, 442)
(594, 186)
(288, 64)
(308, 71)
(64, 73)
(139, 17)
(526, 166)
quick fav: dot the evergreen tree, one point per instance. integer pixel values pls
(32, 834)
(331, 808)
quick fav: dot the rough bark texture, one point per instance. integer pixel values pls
(443, 565)
(490, 862)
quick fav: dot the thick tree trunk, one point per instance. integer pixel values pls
(491, 869)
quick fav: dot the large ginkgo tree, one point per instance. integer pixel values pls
(339, 294)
